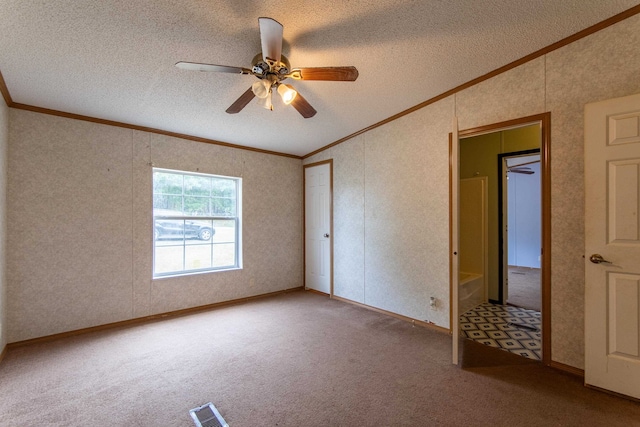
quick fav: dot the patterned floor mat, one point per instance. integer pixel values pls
(505, 327)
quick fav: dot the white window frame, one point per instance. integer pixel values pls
(184, 217)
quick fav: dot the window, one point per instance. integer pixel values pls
(196, 223)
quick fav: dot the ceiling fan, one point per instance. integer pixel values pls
(271, 67)
(522, 168)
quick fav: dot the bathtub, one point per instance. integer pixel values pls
(471, 291)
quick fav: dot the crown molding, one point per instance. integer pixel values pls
(10, 103)
(5, 91)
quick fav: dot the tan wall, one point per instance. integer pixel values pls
(79, 201)
(4, 142)
(479, 157)
(391, 217)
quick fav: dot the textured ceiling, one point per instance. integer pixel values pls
(114, 59)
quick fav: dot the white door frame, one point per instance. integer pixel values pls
(304, 227)
(544, 120)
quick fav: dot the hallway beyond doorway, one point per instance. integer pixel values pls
(524, 287)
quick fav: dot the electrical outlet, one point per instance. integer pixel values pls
(433, 303)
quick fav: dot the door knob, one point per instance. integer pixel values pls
(597, 259)
(326, 234)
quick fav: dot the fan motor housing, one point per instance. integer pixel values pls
(263, 67)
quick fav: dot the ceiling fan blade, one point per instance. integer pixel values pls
(193, 66)
(301, 104)
(271, 38)
(241, 102)
(526, 171)
(345, 74)
(526, 163)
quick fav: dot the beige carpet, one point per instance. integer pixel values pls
(298, 359)
(524, 288)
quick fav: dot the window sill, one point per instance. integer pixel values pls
(194, 273)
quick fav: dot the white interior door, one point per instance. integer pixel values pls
(612, 243)
(318, 227)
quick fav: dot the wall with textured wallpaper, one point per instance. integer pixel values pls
(79, 205)
(4, 142)
(391, 216)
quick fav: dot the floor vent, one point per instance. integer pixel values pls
(207, 416)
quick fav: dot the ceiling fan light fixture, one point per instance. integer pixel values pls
(287, 93)
(261, 88)
(266, 101)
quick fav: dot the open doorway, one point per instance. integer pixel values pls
(520, 224)
(479, 150)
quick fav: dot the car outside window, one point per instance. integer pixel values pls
(196, 223)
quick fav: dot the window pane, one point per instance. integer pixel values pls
(167, 203)
(169, 229)
(223, 202)
(196, 206)
(223, 206)
(224, 187)
(224, 255)
(167, 183)
(202, 230)
(168, 259)
(224, 249)
(197, 256)
(225, 231)
(197, 185)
